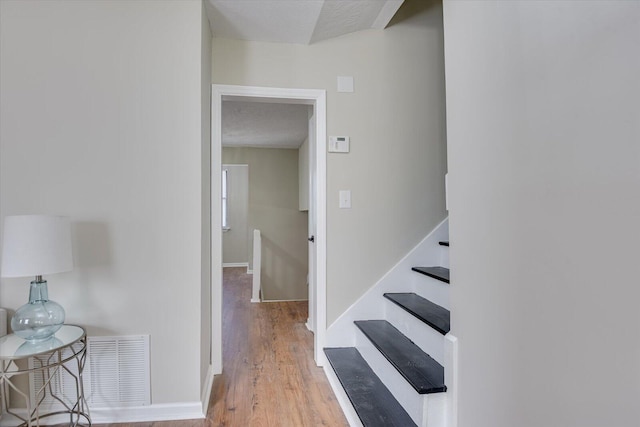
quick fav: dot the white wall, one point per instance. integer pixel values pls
(396, 123)
(543, 111)
(100, 120)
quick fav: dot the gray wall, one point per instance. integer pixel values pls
(273, 209)
(543, 110)
(102, 121)
(396, 122)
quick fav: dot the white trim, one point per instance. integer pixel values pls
(317, 98)
(216, 238)
(235, 264)
(160, 412)
(284, 300)
(205, 395)
(451, 378)
(257, 265)
(321, 229)
(128, 414)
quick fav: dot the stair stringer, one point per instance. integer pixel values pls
(399, 278)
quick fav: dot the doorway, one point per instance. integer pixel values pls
(317, 205)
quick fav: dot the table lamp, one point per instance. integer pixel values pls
(34, 245)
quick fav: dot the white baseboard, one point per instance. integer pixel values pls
(235, 264)
(127, 414)
(160, 412)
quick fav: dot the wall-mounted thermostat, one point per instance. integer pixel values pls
(338, 144)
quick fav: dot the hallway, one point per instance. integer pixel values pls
(269, 376)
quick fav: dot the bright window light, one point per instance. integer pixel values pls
(225, 220)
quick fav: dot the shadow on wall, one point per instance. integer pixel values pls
(92, 268)
(291, 282)
(411, 13)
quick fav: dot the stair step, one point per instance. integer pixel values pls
(432, 314)
(421, 371)
(373, 402)
(440, 273)
(444, 243)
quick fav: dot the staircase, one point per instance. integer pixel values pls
(396, 365)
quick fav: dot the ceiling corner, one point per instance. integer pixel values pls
(387, 12)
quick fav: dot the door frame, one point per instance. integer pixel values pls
(316, 98)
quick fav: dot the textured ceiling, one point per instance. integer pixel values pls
(297, 21)
(266, 125)
(253, 124)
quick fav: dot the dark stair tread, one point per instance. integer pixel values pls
(440, 273)
(373, 402)
(421, 371)
(444, 243)
(432, 314)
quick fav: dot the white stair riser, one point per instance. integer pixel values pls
(444, 256)
(427, 287)
(435, 412)
(423, 335)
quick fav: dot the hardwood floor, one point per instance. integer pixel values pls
(269, 377)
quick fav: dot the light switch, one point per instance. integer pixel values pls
(345, 199)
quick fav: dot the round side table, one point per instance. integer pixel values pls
(62, 354)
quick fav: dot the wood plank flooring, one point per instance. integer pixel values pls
(269, 377)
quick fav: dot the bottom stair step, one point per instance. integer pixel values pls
(373, 402)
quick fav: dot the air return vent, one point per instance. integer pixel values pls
(118, 371)
(116, 374)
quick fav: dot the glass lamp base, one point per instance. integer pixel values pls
(40, 318)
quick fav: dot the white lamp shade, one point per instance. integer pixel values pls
(34, 245)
